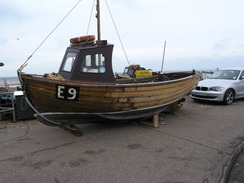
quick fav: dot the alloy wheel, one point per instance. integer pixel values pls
(229, 97)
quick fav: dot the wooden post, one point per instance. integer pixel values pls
(154, 123)
(155, 120)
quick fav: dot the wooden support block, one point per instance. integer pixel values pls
(146, 123)
(154, 123)
(72, 128)
(155, 120)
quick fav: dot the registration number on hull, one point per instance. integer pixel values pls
(67, 92)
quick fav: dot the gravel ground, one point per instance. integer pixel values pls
(192, 146)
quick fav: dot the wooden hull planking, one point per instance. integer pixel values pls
(42, 93)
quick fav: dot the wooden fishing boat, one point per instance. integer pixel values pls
(86, 89)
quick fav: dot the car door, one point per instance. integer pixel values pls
(240, 86)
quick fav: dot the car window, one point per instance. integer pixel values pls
(242, 74)
(226, 74)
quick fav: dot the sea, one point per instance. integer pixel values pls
(11, 81)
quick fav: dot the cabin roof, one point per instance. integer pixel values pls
(88, 46)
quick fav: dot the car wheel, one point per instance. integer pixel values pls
(229, 97)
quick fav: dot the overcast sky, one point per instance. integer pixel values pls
(200, 34)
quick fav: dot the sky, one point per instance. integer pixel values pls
(199, 34)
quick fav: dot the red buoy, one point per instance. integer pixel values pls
(82, 39)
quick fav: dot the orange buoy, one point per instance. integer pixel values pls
(82, 39)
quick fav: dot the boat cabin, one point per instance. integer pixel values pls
(88, 62)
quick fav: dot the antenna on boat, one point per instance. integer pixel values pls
(98, 21)
(163, 58)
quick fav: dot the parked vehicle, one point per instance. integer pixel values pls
(224, 85)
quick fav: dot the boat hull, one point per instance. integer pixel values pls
(58, 118)
(75, 101)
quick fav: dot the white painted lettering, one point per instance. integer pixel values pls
(60, 92)
(72, 92)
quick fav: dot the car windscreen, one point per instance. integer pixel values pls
(226, 74)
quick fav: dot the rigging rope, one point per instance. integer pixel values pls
(90, 18)
(117, 32)
(25, 63)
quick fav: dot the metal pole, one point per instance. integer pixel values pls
(98, 21)
(163, 57)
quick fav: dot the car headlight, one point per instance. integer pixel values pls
(216, 88)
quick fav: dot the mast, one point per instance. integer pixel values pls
(98, 21)
(163, 58)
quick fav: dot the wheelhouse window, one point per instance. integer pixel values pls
(93, 64)
(69, 62)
